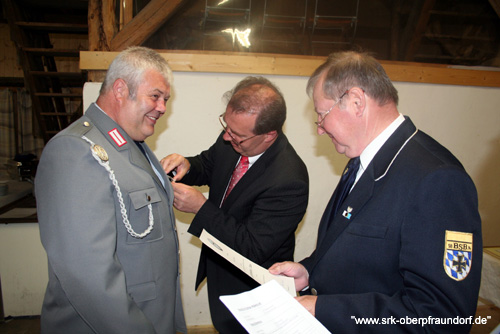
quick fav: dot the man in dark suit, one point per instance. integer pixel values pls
(404, 247)
(259, 216)
(105, 211)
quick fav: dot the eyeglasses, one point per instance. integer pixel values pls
(228, 131)
(323, 116)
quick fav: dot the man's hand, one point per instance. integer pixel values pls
(292, 269)
(177, 163)
(309, 302)
(187, 199)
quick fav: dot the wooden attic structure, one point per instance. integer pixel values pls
(424, 39)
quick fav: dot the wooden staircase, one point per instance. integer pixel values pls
(463, 32)
(51, 74)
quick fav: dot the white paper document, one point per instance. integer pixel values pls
(258, 273)
(270, 309)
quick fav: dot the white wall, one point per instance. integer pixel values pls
(464, 119)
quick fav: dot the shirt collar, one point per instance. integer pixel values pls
(369, 152)
(252, 160)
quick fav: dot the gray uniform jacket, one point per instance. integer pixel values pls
(101, 278)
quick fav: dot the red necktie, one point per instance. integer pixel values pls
(238, 173)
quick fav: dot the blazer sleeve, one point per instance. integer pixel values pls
(203, 165)
(271, 220)
(445, 199)
(264, 218)
(76, 206)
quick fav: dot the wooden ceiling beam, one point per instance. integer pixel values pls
(103, 30)
(496, 6)
(126, 12)
(145, 23)
(102, 24)
(418, 32)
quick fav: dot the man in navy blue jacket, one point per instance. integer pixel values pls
(404, 248)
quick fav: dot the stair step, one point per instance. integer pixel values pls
(56, 114)
(55, 27)
(11, 82)
(72, 95)
(53, 52)
(473, 16)
(459, 37)
(75, 75)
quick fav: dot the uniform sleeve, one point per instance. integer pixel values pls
(76, 209)
(435, 302)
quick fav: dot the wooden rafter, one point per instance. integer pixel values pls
(421, 25)
(496, 6)
(126, 12)
(102, 24)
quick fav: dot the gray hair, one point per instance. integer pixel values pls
(131, 64)
(347, 69)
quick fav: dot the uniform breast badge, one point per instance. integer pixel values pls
(100, 152)
(347, 213)
(457, 254)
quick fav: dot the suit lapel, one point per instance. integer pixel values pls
(226, 173)
(363, 190)
(358, 197)
(257, 169)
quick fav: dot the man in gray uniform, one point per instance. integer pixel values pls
(105, 211)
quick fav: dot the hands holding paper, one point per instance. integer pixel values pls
(271, 303)
(301, 278)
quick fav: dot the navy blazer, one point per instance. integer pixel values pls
(258, 219)
(383, 254)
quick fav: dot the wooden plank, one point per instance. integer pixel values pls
(101, 23)
(126, 12)
(145, 23)
(496, 6)
(395, 23)
(444, 75)
(53, 52)
(96, 76)
(94, 23)
(419, 29)
(72, 75)
(54, 27)
(271, 64)
(63, 95)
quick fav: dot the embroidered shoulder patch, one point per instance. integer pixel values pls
(457, 254)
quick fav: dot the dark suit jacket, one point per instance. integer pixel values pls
(257, 220)
(101, 279)
(387, 260)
